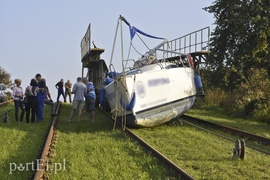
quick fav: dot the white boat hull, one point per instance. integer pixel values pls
(161, 94)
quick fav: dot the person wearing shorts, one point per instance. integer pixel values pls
(77, 105)
(79, 90)
(90, 100)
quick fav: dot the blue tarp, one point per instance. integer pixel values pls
(133, 31)
(131, 105)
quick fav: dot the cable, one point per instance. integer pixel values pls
(251, 147)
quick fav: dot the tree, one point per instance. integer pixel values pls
(4, 81)
(5, 77)
(239, 60)
(240, 41)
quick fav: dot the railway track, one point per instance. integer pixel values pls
(182, 174)
(43, 158)
(4, 116)
(7, 112)
(234, 131)
(47, 152)
(49, 144)
(6, 102)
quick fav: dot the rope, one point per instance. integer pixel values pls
(143, 41)
(124, 114)
(115, 111)
(136, 50)
(124, 117)
(128, 53)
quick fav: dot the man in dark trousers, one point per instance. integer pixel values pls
(40, 97)
(90, 99)
(60, 87)
(48, 100)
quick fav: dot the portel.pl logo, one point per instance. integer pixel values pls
(35, 166)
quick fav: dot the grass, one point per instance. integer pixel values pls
(216, 115)
(94, 151)
(203, 155)
(20, 143)
(6, 107)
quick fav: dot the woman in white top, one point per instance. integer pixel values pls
(18, 97)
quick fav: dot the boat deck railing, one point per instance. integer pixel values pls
(197, 41)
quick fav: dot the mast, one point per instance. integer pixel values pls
(114, 41)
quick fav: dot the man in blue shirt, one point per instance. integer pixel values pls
(40, 97)
(90, 99)
(60, 87)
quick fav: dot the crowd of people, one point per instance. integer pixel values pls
(32, 100)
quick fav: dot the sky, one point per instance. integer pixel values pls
(43, 36)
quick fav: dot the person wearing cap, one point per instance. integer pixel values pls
(90, 99)
(18, 99)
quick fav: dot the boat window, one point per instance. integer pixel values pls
(171, 66)
(135, 71)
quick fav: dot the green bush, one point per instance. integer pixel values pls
(213, 97)
(250, 99)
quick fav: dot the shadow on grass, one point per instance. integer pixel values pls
(102, 123)
(95, 151)
(20, 144)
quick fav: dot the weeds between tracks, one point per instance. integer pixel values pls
(94, 151)
(204, 155)
(216, 116)
(20, 143)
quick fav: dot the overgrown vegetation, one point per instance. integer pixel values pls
(236, 75)
(94, 151)
(250, 100)
(20, 144)
(204, 155)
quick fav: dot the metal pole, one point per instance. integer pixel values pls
(82, 71)
(114, 41)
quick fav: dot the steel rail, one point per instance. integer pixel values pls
(182, 173)
(240, 133)
(7, 111)
(227, 138)
(6, 102)
(40, 171)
